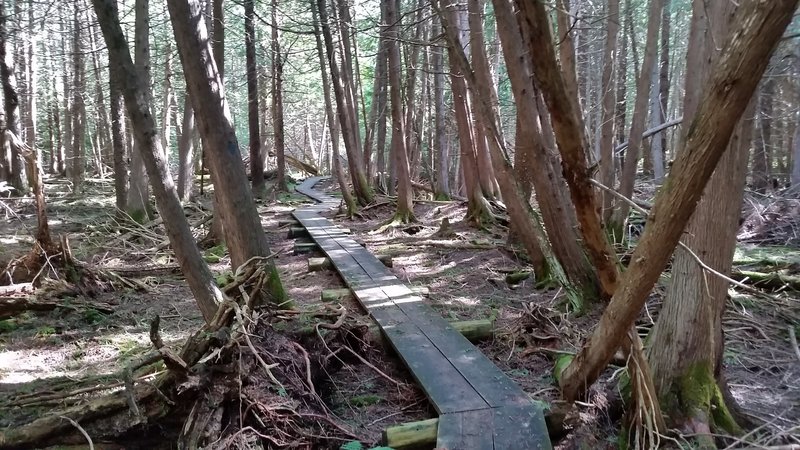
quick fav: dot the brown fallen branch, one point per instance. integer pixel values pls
(11, 306)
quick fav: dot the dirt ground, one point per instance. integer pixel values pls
(80, 346)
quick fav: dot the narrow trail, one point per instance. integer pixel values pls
(479, 406)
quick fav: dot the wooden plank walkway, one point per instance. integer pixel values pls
(479, 407)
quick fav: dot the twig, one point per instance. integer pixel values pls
(793, 340)
(80, 428)
(699, 261)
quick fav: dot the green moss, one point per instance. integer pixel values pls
(561, 363)
(275, 289)
(365, 400)
(138, 215)
(700, 396)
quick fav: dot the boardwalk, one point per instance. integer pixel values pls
(479, 407)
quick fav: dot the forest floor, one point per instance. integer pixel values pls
(85, 342)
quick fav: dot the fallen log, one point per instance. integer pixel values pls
(323, 263)
(768, 280)
(412, 434)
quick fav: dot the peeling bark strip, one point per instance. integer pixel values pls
(571, 137)
(759, 26)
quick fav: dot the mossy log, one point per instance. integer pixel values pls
(319, 264)
(412, 435)
(335, 295)
(518, 277)
(768, 280)
(304, 247)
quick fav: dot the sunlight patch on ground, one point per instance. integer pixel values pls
(462, 301)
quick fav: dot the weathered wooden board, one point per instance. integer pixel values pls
(480, 407)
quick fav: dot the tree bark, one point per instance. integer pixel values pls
(78, 106)
(361, 186)
(117, 109)
(441, 146)
(610, 62)
(405, 194)
(687, 340)
(134, 90)
(349, 201)
(534, 158)
(572, 143)
(253, 122)
(16, 162)
(761, 145)
(638, 121)
(139, 189)
(186, 151)
(478, 77)
(244, 234)
(277, 101)
(745, 55)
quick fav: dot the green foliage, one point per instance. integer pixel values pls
(365, 400)
(216, 253)
(45, 331)
(92, 316)
(8, 325)
(352, 445)
(224, 278)
(561, 363)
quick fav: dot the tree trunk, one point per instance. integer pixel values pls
(610, 61)
(687, 340)
(244, 234)
(138, 203)
(441, 144)
(134, 90)
(18, 178)
(253, 123)
(638, 121)
(478, 77)
(349, 201)
(117, 109)
(534, 158)
(572, 143)
(405, 194)
(168, 101)
(78, 106)
(277, 101)
(763, 136)
(743, 58)
(354, 157)
(478, 209)
(186, 151)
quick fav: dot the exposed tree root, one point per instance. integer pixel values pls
(235, 381)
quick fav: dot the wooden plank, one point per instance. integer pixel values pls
(469, 430)
(447, 390)
(520, 428)
(493, 385)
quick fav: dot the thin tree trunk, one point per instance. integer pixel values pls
(117, 109)
(253, 121)
(638, 121)
(186, 152)
(390, 34)
(478, 78)
(139, 189)
(607, 85)
(375, 111)
(78, 107)
(277, 101)
(18, 178)
(354, 157)
(533, 159)
(763, 136)
(243, 232)
(134, 90)
(168, 101)
(572, 142)
(441, 143)
(734, 78)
